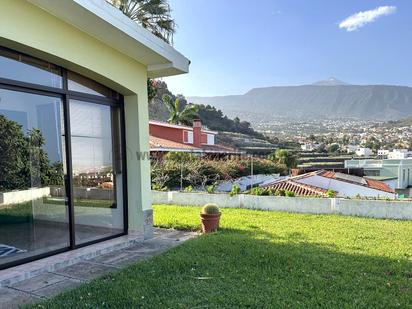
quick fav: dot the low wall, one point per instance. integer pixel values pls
(22, 196)
(364, 208)
(90, 216)
(84, 193)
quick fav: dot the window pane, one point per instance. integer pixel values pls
(30, 70)
(97, 176)
(83, 84)
(33, 211)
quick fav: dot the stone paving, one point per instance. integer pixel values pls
(50, 284)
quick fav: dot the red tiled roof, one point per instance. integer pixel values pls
(219, 148)
(379, 185)
(178, 126)
(373, 184)
(298, 188)
(159, 144)
(356, 180)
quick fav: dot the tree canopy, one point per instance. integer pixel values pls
(154, 15)
(23, 162)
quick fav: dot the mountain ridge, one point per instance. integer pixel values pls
(378, 102)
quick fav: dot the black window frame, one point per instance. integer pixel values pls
(66, 95)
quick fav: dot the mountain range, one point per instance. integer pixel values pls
(330, 98)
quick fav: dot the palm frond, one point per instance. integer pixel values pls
(154, 15)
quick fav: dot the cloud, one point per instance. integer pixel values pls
(360, 19)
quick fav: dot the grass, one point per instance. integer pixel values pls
(264, 260)
(18, 213)
(80, 202)
(23, 212)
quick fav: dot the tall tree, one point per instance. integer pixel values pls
(180, 115)
(284, 157)
(154, 15)
(23, 161)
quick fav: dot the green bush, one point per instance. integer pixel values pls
(289, 193)
(235, 190)
(263, 191)
(210, 189)
(189, 189)
(330, 193)
(182, 167)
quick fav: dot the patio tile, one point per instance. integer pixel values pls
(55, 279)
(10, 299)
(57, 288)
(38, 282)
(118, 258)
(85, 270)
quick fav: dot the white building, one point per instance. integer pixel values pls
(398, 154)
(351, 148)
(309, 146)
(383, 153)
(400, 169)
(363, 152)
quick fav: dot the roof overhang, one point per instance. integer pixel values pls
(109, 25)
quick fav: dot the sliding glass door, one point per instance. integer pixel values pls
(97, 173)
(61, 160)
(33, 204)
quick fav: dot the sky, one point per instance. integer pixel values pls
(237, 45)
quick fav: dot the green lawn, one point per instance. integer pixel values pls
(264, 260)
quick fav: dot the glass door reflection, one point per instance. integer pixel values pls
(97, 174)
(33, 210)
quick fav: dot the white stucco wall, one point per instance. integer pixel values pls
(22, 196)
(364, 208)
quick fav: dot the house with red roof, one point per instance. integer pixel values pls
(166, 137)
(343, 185)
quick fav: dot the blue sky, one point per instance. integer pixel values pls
(236, 45)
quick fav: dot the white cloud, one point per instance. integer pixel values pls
(360, 19)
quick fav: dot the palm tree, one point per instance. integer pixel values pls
(153, 15)
(177, 116)
(284, 157)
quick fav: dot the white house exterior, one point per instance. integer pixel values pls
(400, 169)
(383, 153)
(309, 146)
(351, 148)
(399, 154)
(363, 152)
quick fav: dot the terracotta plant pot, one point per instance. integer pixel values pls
(210, 222)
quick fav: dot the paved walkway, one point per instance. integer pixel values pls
(49, 284)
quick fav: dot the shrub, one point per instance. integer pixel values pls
(330, 193)
(210, 209)
(157, 187)
(210, 189)
(189, 189)
(201, 172)
(235, 190)
(257, 191)
(262, 191)
(289, 193)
